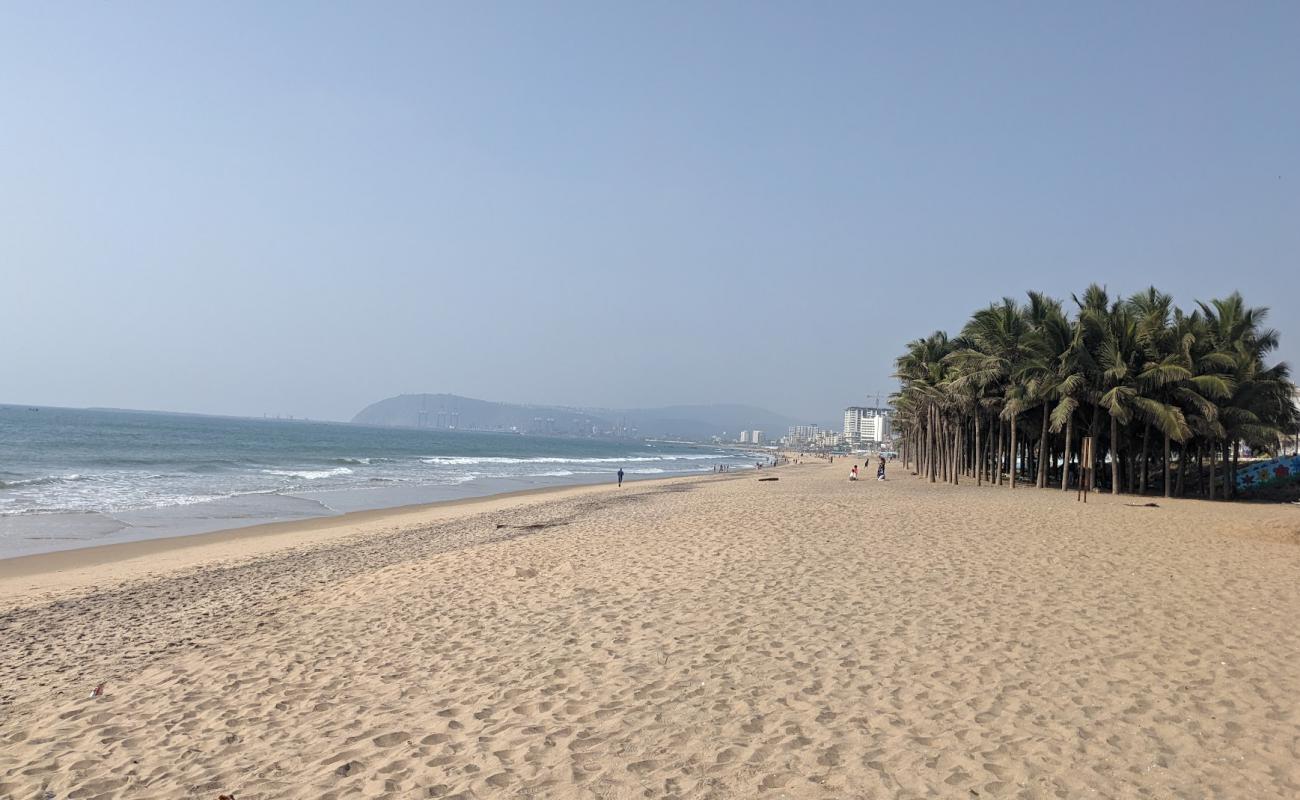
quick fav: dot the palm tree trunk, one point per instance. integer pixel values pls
(1236, 454)
(929, 446)
(1146, 438)
(979, 455)
(1182, 470)
(945, 450)
(1166, 467)
(920, 448)
(945, 457)
(939, 449)
(1225, 469)
(934, 445)
(955, 456)
(1097, 457)
(1042, 452)
(987, 453)
(1065, 459)
(1213, 454)
(1014, 454)
(956, 453)
(1114, 455)
(996, 478)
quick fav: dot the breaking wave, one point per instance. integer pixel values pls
(308, 474)
(42, 481)
(472, 460)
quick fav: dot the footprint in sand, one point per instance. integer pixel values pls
(391, 739)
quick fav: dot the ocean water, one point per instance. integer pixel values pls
(76, 478)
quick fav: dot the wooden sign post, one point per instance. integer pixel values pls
(1085, 469)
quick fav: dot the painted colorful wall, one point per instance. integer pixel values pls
(1264, 472)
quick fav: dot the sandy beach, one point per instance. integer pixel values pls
(714, 637)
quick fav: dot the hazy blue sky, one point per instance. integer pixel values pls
(301, 208)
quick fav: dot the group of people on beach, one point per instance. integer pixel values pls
(880, 470)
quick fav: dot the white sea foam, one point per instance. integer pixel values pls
(165, 484)
(471, 460)
(41, 481)
(308, 474)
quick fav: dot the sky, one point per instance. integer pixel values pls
(301, 208)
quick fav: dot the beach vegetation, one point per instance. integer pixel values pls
(1171, 398)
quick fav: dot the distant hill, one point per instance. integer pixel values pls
(467, 413)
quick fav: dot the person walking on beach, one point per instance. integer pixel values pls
(620, 476)
(880, 469)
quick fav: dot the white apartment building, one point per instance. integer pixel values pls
(756, 437)
(874, 429)
(803, 433)
(866, 425)
(828, 439)
(744, 437)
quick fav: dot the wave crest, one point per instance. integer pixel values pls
(42, 481)
(472, 460)
(308, 474)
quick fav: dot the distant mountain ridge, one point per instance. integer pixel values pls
(447, 411)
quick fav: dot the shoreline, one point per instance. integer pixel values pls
(77, 566)
(167, 522)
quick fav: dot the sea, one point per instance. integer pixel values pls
(74, 478)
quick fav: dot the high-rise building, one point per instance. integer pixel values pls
(744, 437)
(866, 425)
(852, 422)
(874, 428)
(756, 437)
(802, 433)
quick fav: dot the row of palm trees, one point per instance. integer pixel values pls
(1168, 397)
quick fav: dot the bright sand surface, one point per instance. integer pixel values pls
(706, 637)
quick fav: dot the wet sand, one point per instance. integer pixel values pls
(707, 637)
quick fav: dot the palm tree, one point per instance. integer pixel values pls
(1199, 381)
(1090, 325)
(1116, 353)
(1050, 373)
(1000, 355)
(1258, 409)
(1166, 375)
(921, 369)
(1197, 395)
